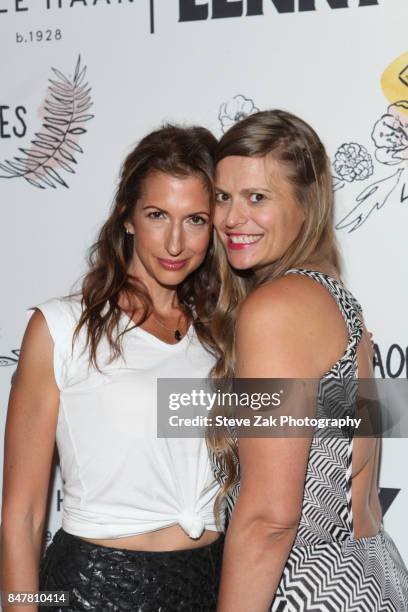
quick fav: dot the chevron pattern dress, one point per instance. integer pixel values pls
(328, 570)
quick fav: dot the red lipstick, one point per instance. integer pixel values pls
(234, 246)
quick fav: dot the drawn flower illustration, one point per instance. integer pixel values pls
(352, 162)
(55, 146)
(234, 110)
(390, 135)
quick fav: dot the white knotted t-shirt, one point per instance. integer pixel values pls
(119, 478)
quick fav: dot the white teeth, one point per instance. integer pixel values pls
(244, 239)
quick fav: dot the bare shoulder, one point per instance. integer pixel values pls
(37, 334)
(292, 297)
(36, 356)
(294, 322)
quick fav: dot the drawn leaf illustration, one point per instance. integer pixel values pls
(337, 183)
(35, 183)
(64, 165)
(54, 148)
(67, 155)
(372, 198)
(73, 145)
(34, 154)
(6, 169)
(61, 76)
(5, 360)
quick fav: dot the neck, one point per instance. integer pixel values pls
(164, 298)
(164, 301)
(319, 266)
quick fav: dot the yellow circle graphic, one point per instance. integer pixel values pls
(394, 81)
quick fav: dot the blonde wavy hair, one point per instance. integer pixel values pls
(295, 146)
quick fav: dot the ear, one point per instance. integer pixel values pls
(129, 227)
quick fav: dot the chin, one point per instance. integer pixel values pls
(171, 278)
(240, 262)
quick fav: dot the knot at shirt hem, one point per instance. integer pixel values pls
(192, 523)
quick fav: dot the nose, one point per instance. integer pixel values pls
(175, 240)
(234, 215)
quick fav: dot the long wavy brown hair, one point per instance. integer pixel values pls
(176, 151)
(296, 147)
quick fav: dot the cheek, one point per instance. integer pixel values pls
(219, 216)
(297, 219)
(148, 238)
(288, 221)
(146, 231)
(198, 241)
(267, 218)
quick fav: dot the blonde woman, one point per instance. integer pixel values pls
(306, 530)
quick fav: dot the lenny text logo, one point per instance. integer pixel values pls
(191, 10)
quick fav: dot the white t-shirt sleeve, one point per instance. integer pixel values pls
(61, 328)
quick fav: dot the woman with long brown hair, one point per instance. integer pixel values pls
(138, 529)
(306, 529)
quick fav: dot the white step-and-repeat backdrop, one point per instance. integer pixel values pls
(82, 80)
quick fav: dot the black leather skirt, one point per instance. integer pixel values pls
(104, 579)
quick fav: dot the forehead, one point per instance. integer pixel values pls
(237, 172)
(161, 189)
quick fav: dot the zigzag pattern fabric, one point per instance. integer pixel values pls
(328, 570)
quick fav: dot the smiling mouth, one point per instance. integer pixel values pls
(242, 241)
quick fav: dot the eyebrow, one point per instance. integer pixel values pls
(199, 212)
(248, 190)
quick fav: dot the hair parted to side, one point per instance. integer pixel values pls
(295, 146)
(177, 151)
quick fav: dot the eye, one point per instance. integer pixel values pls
(221, 197)
(155, 214)
(255, 198)
(198, 220)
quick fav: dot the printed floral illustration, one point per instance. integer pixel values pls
(352, 162)
(55, 147)
(234, 110)
(390, 135)
(390, 139)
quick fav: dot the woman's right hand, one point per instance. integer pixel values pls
(28, 452)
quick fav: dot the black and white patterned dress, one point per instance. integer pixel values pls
(328, 570)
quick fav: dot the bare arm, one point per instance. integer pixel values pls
(275, 340)
(28, 451)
